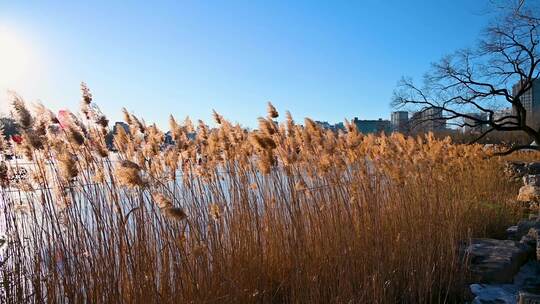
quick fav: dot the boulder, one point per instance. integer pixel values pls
(529, 193)
(520, 169)
(522, 229)
(493, 294)
(533, 168)
(496, 261)
(516, 169)
(528, 279)
(512, 233)
(531, 180)
(528, 298)
(533, 239)
(529, 240)
(525, 287)
(534, 233)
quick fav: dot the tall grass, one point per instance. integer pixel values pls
(286, 213)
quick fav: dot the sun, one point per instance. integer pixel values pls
(15, 57)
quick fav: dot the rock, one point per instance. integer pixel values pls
(529, 193)
(532, 238)
(522, 228)
(518, 166)
(534, 234)
(520, 169)
(531, 180)
(528, 278)
(533, 168)
(528, 240)
(516, 169)
(496, 261)
(486, 294)
(512, 233)
(526, 285)
(528, 298)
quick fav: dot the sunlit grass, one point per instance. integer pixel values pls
(285, 213)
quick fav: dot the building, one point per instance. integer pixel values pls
(109, 138)
(428, 120)
(400, 121)
(121, 124)
(328, 126)
(372, 126)
(502, 116)
(324, 124)
(168, 139)
(339, 126)
(531, 102)
(472, 126)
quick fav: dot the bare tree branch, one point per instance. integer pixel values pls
(470, 86)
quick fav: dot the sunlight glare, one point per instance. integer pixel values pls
(15, 57)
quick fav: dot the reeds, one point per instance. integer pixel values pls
(286, 213)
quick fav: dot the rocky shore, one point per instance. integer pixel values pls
(508, 271)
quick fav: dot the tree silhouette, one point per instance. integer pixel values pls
(471, 85)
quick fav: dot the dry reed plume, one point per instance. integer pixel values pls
(285, 213)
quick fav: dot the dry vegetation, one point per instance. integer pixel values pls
(286, 213)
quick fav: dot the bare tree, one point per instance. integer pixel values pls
(498, 72)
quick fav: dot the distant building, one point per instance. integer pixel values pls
(109, 138)
(121, 124)
(328, 126)
(428, 120)
(339, 126)
(372, 126)
(168, 139)
(400, 121)
(499, 116)
(472, 126)
(531, 102)
(324, 124)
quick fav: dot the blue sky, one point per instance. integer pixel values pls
(324, 59)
